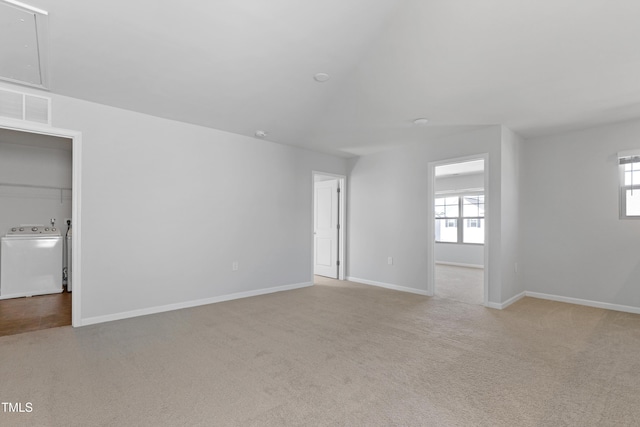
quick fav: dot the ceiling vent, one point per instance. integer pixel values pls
(24, 106)
(23, 44)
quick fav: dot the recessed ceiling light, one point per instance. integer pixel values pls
(261, 134)
(321, 77)
(420, 122)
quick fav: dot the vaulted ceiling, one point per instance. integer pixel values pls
(535, 66)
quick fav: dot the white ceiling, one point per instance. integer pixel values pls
(535, 66)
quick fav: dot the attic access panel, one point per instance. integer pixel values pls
(23, 45)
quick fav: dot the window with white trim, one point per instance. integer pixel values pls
(629, 165)
(460, 219)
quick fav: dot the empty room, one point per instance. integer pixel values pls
(279, 212)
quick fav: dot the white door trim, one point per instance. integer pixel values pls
(76, 141)
(343, 220)
(431, 235)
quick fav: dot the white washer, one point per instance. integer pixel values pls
(31, 261)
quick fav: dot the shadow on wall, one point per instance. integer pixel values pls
(630, 287)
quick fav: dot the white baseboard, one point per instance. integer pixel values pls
(387, 285)
(187, 304)
(569, 300)
(507, 303)
(29, 294)
(589, 303)
(459, 264)
(246, 294)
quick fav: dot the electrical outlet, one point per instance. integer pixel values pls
(390, 260)
(234, 266)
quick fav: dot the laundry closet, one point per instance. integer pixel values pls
(35, 214)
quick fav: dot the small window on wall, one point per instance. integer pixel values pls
(460, 219)
(629, 184)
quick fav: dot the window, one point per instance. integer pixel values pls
(473, 223)
(447, 213)
(466, 211)
(629, 185)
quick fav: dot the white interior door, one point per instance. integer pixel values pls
(325, 236)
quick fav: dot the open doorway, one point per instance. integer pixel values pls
(459, 230)
(329, 217)
(37, 185)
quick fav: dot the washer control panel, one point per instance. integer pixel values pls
(31, 230)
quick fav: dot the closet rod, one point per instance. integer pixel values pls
(3, 184)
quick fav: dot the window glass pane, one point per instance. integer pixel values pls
(632, 174)
(633, 202)
(439, 207)
(452, 210)
(447, 230)
(470, 207)
(446, 207)
(473, 206)
(628, 179)
(473, 230)
(451, 200)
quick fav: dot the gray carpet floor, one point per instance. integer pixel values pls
(337, 353)
(464, 284)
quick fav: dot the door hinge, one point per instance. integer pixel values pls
(338, 263)
(338, 189)
(338, 226)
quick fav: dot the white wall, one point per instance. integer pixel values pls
(33, 165)
(573, 244)
(459, 182)
(388, 208)
(459, 253)
(168, 206)
(510, 176)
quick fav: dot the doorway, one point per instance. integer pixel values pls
(56, 200)
(329, 207)
(458, 222)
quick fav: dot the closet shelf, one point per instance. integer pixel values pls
(7, 184)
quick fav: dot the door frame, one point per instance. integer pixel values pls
(431, 263)
(342, 217)
(76, 202)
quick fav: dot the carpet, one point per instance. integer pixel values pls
(337, 353)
